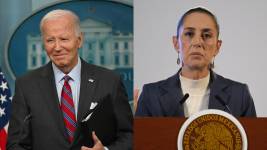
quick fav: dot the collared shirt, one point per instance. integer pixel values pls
(74, 82)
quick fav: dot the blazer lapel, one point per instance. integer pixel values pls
(88, 84)
(171, 94)
(87, 88)
(47, 83)
(218, 97)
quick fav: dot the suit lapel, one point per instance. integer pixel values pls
(87, 88)
(170, 96)
(47, 83)
(218, 97)
(88, 84)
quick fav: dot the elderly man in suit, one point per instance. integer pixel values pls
(51, 102)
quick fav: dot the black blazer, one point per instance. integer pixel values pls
(36, 120)
(163, 98)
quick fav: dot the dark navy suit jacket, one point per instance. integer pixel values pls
(36, 96)
(163, 98)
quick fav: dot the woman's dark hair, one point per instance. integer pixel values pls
(199, 10)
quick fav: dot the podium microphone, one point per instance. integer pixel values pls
(184, 98)
(224, 104)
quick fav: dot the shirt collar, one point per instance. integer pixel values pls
(74, 73)
(190, 83)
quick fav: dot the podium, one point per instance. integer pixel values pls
(161, 133)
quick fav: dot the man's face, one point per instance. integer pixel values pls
(198, 42)
(61, 42)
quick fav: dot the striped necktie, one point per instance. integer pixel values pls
(67, 108)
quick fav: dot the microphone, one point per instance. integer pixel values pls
(27, 118)
(184, 98)
(224, 104)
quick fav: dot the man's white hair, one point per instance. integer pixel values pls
(54, 14)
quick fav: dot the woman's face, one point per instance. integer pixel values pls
(198, 42)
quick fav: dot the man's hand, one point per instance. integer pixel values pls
(97, 144)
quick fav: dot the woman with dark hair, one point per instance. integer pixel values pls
(195, 86)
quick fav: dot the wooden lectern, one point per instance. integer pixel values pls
(161, 133)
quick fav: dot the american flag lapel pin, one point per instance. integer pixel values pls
(91, 80)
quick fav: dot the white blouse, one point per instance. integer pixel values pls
(198, 94)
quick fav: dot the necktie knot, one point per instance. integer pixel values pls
(66, 78)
